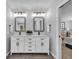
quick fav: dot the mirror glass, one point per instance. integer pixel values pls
(20, 24)
(38, 24)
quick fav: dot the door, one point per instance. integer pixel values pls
(17, 44)
(42, 45)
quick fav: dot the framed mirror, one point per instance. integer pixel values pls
(20, 24)
(38, 24)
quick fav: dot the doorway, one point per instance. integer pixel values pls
(65, 29)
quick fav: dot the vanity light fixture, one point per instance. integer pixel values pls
(19, 14)
(38, 14)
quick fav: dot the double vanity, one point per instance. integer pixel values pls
(30, 44)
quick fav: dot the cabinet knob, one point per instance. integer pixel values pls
(17, 43)
(29, 50)
(42, 43)
(30, 42)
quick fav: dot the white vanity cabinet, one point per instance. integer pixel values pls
(29, 44)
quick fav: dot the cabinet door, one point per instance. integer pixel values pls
(14, 45)
(17, 44)
(42, 45)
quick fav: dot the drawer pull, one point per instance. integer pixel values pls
(29, 46)
(30, 42)
(42, 39)
(30, 39)
(29, 50)
(17, 39)
(17, 43)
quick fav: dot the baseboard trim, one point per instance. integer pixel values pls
(53, 54)
(7, 54)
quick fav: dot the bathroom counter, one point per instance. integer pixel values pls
(30, 35)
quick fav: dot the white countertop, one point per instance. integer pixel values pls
(30, 35)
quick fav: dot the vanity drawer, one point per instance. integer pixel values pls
(29, 49)
(29, 43)
(29, 40)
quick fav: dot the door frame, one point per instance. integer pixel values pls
(60, 40)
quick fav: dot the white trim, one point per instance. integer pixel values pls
(7, 54)
(53, 54)
(63, 2)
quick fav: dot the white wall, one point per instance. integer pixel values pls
(7, 32)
